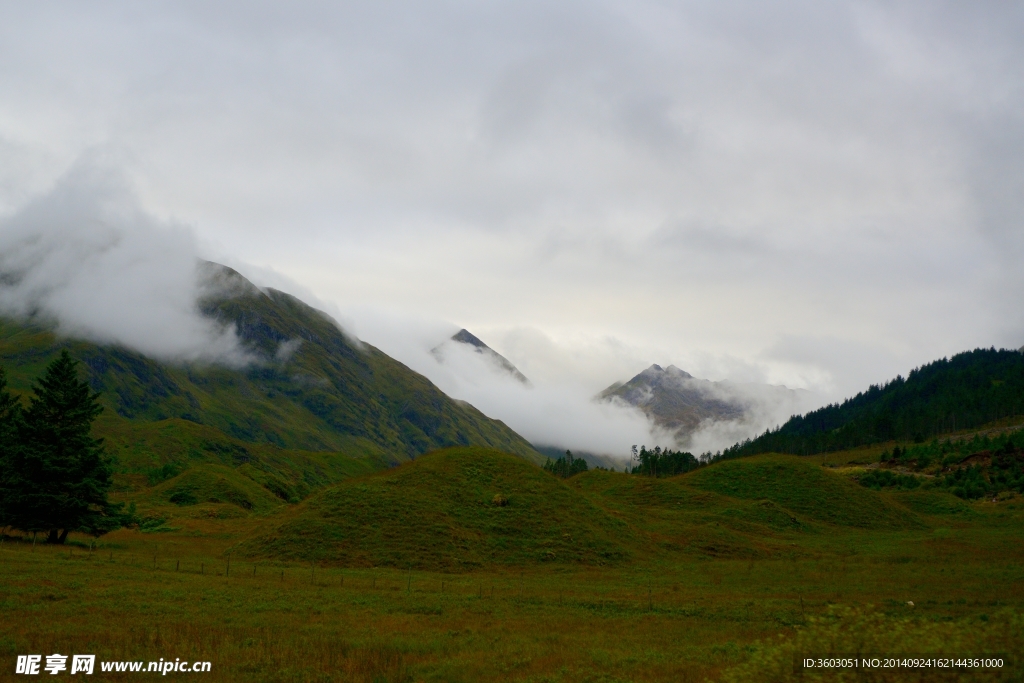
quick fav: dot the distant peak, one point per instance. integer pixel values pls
(467, 337)
(464, 336)
(673, 370)
(656, 370)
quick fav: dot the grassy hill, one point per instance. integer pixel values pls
(464, 508)
(453, 509)
(674, 518)
(803, 488)
(214, 484)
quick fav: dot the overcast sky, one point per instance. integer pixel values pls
(819, 194)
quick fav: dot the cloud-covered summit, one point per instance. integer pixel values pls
(701, 415)
(87, 259)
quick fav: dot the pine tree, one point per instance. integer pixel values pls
(58, 477)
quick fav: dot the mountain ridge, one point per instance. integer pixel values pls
(309, 385)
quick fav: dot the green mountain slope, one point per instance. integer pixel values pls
(310, 388)
(453, 509)
(147, 453)
(965, 391)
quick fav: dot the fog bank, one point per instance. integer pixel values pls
(87, 259)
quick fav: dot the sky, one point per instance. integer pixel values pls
(820, 195)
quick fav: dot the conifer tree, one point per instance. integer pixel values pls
(58, 477)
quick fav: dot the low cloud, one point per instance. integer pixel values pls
(552, 411)
(548, 414)
(765, 406)
(88, 260)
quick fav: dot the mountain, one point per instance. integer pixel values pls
(962, 392)
(309, 387)
(467, 339)
(680, 404)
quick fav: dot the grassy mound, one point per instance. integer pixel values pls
(802, 488)
(213, 484)
(679, 518)
(623, 490)
(933, 503)
(452, 509)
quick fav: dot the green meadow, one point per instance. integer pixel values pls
(472, 565)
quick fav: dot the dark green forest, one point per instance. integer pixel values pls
(963, 392)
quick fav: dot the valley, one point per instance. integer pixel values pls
(720, 574)
(322, 512)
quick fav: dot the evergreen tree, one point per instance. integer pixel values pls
(58, 478)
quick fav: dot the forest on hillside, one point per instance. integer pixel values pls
(965, 391)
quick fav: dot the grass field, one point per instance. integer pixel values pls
(721, 574)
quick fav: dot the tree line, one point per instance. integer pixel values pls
(652, 463)
(662, 463)
(54, 476)
(566, 466)
(963, 392)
